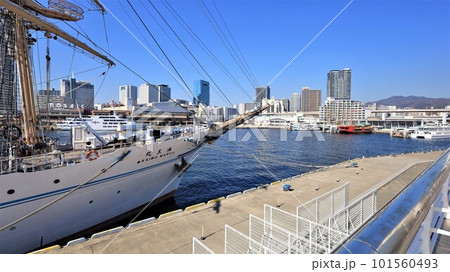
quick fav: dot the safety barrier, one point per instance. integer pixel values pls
(239, 243)
(321, 238)
(324, 206)
(277, 239)
(199, 248)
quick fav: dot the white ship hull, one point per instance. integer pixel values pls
(138, 179)
(432, 132)
(430, 136)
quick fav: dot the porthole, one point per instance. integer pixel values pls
(12, 228)
(11, 191)
(90, 202)
(56, 181)
(118, 192)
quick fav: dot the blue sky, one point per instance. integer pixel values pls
(392, 47)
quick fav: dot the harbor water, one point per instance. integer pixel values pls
(245, 158)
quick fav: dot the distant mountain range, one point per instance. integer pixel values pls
(417, 102)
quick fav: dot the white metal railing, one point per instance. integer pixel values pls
(239, 243)
(199, 248)
(280, 240)
(324, 206)
(321, 238)
(351, 217)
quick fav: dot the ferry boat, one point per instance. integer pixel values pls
(97, 122)
(356, 129)
(431, 132)
(305, 127)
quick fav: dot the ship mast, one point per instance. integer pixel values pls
(61, 10)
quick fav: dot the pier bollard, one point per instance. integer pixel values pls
(203, 237)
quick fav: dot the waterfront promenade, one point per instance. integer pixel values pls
(173, 232)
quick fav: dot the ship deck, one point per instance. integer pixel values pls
(173, 232)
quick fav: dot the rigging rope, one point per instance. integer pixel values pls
(315, 37)
(125, 153)
(224, 40)
(203, 46)
(192, 55)
(235, 43)
(176, 46)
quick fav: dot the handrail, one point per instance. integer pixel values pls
(394, 227)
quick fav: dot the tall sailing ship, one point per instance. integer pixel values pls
(47, 194)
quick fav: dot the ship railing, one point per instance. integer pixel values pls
(40, 162)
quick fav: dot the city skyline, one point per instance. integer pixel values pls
(401, 49)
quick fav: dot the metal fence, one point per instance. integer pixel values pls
(239, 243)
(278, 239)
(324, 206)
(199, 248)
(318, 238)
(350, 218)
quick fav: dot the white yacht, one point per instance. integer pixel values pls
(431, 132)
(97, 122)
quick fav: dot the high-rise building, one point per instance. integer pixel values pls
(127, 92)
(201, 92)
(295, 103)
(51, 92)
(8, 83)
(341, 112)
(311, 99)
(163, 93)
(245, 107)
(261, 93)
(339, 84)
(286, 104)
(148, 93)
(81, 92)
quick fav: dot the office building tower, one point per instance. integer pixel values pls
(201, 92)
(286, 105)
(339, 84)
(260, 94)
(148, 93)
(164, 93)
(126, 92)
(295, 102)
(80, 92)
(311, 99)
(51, 92)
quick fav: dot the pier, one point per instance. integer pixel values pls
(173, 232)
